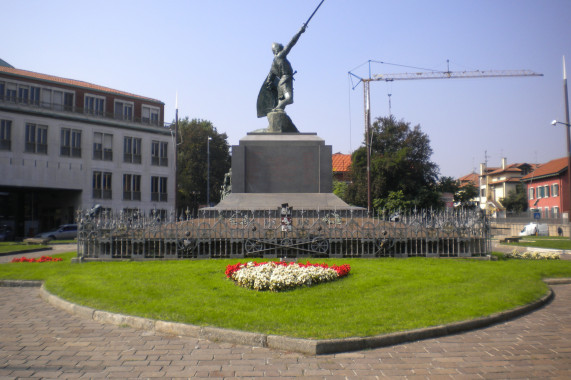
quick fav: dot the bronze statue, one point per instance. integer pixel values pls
(277, 90)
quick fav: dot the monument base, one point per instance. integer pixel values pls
(271, 201)
(282, 163)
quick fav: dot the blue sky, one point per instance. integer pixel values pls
(217, 53)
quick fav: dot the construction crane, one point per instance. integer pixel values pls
(420, 75)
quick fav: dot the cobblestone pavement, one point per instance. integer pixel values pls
(38, 340)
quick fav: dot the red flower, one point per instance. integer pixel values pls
(43, 259)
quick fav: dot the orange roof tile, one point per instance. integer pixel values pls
(341, 162)
(472, 177)
(551, 168)
(69, 82)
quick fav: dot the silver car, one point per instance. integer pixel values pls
(64, 232)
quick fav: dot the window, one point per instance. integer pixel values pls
(57, 100)
(540, 192)
(70, 142)
(555, 212)
(5, 134)
(131, 187)
(36, 138)
(2, 89)
(159, 153)
(123, 110)
(23, 94)
(150, 115)
(555, 190)
(132, 150)
(94, 105)
(35, 96)
(11, 90)
(531, 193)
(546, 191)
(102, 146)
(159, 189)
(102, 185)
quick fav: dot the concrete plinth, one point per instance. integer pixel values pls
(281, 163)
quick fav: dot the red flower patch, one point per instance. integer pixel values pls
(43, 259)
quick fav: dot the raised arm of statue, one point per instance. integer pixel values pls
(293, 41)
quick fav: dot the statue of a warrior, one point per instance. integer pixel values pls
(277, 91)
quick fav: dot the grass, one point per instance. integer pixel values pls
(543, 242)
(6, 247)
(379, 296)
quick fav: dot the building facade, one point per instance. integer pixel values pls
(548, 189)
(67, 145)
(497, 183)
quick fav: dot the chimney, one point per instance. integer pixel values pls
(504, 162)
(482, 169)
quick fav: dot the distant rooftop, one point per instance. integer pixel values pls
(8, 69)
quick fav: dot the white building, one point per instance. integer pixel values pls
(68, 145)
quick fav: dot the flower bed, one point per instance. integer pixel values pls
(279, 276)
(528, 255)
(43, 259)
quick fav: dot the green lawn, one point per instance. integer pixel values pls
(543, 242)
(379, 295)
(6, 247)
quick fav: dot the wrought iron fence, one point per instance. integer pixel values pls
(271, 234)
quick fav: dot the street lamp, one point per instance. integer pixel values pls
(208, 171)
(555, 122)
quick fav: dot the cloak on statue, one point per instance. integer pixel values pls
(267, 97)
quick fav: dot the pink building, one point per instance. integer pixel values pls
(548, 189)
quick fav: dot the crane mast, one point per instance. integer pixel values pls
(421, 75)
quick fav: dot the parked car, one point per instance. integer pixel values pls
(6, 233)
(535, 229)
(64, 232)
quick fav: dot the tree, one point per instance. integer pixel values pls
(516, 199)
(400, 161)
(448, 185)
(192, 163)
(340, 188)
(466, 194)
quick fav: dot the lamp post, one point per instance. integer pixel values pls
(208, 171)
(555, 122)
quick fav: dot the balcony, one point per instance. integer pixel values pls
(16, 103)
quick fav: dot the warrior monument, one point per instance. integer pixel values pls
(277, 90)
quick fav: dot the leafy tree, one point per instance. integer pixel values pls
(192, 163)
(448, 185)
(466, 193)
(516, 200)
(393, 202)
(340, 188)
(400, 161)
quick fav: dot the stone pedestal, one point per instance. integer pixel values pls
(281, 163)
(279, 121)
(270, 169)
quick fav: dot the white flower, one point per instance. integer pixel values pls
(276, 277)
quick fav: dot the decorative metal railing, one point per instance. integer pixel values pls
(303, 233)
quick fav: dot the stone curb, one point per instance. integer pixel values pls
(304, 346)
(26, 251)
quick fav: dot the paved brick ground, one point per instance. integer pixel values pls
(38, 340)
